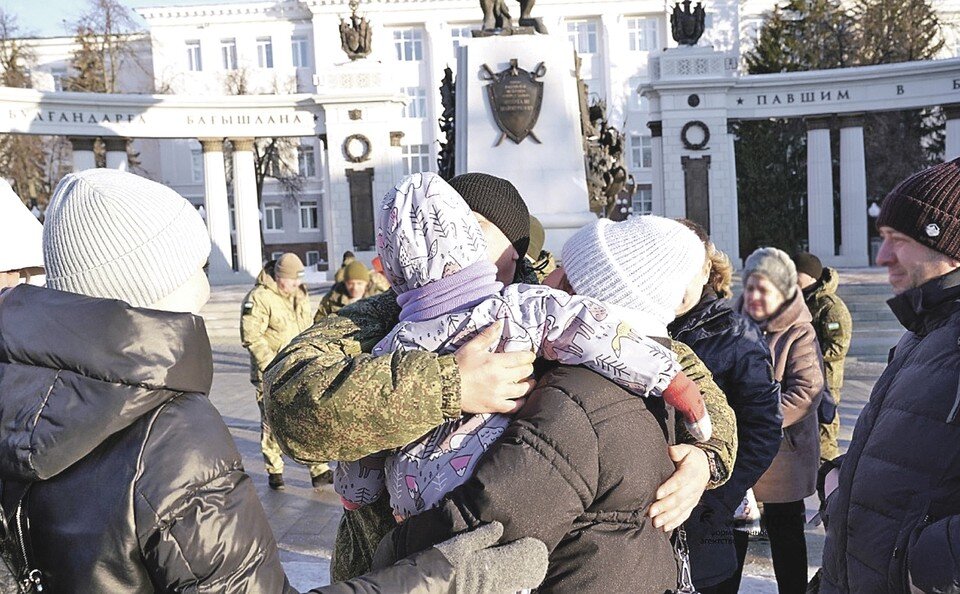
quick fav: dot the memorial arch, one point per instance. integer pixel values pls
(354, 104)
(695, 95)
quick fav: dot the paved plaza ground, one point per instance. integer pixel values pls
(305, 522)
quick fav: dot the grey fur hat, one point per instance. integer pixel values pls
(776, 266)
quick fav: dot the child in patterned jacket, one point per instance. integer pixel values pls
(434, 255)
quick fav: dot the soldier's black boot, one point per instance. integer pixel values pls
(275, 481)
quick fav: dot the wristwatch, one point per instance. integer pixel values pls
(716, 474)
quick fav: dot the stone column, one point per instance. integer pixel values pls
(820, 189)
(731, 244)
(656, 147)
(245, 208)
(854, 246)
(83, 157)
(116, 153)
(218, 210)
(952, 149)
(328, 211)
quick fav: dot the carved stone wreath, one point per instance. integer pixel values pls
(695, 146)
(356, 148)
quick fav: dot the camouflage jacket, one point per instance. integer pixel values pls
(834, 326)
(327, 399)
(336, 299)
(269, 320)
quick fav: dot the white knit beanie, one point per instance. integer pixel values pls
(643, 263)
(21, 234)
(776, 266)
(113, 234)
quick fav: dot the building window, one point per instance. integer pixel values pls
(265, 52)
(228, 51)
(273, 217)
(642, 34)
(300, 49)
(309, 216)
(641, 151)
(313, 257)
(306, 160)
(276, 255)
(193, 56)
(58, 75)
(583, 36)
(643, 200)
(416, 106)
(637, 101)
(409, 44)
(459, 33)
(196, 164)
(416, 158)
(233, 220)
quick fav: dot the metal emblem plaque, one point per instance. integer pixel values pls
(515, 97)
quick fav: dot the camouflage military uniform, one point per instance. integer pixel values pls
(834, 326)
(543, 265)
(268, 321)
(330, 400)
(336, 299)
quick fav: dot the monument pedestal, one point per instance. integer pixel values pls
(549, 174)
(361, 106)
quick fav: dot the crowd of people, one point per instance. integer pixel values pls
(494, 418)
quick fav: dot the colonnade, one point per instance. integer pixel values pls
(216, 205)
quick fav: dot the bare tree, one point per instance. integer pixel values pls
(273, 158)
(103, 36)
(33, 164)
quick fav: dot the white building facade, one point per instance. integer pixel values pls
(281, 47)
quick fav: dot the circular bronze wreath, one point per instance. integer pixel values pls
(364, 154)
(695, 146)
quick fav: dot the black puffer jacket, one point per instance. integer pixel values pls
(733, 348)
(896, 513)
(578, 469)
(137, 484)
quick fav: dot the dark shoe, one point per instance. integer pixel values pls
(324, 478)
(275, 481)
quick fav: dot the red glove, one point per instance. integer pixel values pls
(683, 395)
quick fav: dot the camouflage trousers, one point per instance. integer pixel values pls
(272, 456)
(830, 435)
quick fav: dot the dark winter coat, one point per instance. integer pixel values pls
(798, 366)
(577, 468)
(137, 484)
(733, 348)
(897, 507)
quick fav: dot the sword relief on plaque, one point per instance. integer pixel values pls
(515, 97)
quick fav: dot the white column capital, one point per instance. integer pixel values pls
(242, 144)
(214, 145)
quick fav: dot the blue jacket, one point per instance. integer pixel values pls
(895, 515)
(733, 348)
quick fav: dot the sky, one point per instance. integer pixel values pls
(45, 18)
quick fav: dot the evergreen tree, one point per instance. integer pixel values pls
(816, 35)
(771, 154)
(899, 143)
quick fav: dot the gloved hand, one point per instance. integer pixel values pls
(484, 568)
